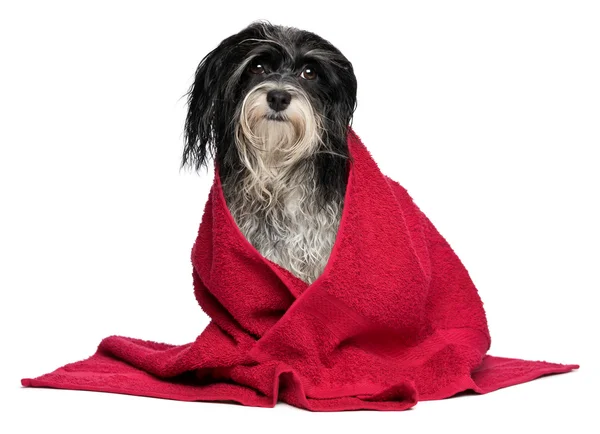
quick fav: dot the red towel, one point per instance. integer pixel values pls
(393, 319)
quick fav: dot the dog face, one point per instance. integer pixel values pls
(271, 93)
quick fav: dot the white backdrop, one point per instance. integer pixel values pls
(488, 113)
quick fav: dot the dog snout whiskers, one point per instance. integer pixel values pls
(279, 100)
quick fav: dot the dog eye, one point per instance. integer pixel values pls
(309, 73)
(257, 67)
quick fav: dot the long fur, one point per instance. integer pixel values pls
(284, 179)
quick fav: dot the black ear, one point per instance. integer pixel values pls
(212, 100)
(338, 113)
(199, 123)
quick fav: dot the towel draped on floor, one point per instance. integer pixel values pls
(393, 319)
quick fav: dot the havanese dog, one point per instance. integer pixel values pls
(272, 106)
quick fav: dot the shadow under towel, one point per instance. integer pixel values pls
(393, 319)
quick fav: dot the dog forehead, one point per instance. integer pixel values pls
(290, 44)
(293, 37)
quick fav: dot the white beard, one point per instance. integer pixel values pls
(274, 201)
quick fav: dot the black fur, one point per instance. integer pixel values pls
(221, 84)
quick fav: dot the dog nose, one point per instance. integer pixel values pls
(279, 99)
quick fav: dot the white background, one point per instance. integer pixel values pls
(487, 112)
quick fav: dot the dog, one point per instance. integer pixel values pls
(272, 106)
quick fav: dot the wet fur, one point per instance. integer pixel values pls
(284, 180)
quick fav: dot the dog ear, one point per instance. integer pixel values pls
(209, 108)
(199, 123)
(338, 113)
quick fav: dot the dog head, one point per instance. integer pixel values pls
(271, 95)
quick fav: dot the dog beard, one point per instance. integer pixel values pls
(275, 199)
(273, 144)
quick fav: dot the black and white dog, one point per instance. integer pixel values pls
(272, 106)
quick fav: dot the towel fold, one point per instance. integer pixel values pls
(393, 319)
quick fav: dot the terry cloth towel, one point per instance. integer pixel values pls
(393, 319)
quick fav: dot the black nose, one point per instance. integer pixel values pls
(279, 99)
